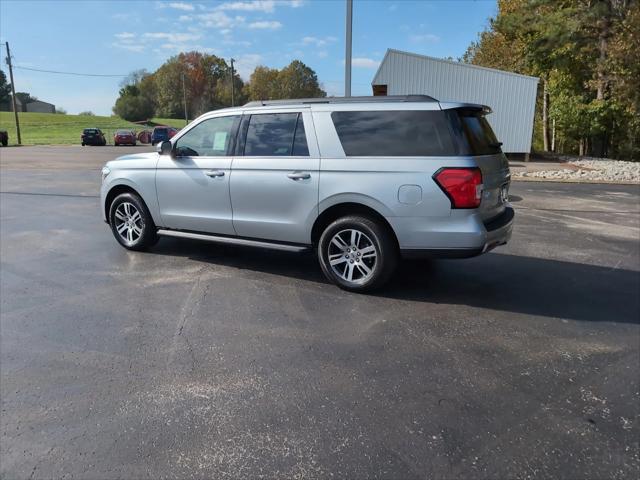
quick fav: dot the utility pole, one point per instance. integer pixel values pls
(13, 94)
(347, 56)
(184, 100)
(232, 88)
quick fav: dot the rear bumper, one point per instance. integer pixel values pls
(478, 236)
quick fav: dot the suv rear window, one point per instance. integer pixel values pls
(473, 132)
(407, 133)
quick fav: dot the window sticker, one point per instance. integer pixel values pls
(220, 141)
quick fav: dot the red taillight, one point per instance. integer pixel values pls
(463, 186)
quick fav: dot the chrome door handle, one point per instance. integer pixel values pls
(214, 173)
(299, 176)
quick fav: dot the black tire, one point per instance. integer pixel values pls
(139, 241)
(83, 144)
(376, 235)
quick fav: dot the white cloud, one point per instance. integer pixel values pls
(361, 62)
(266, 6)
(172, 37)
(393, 7)
(424, 38)
(187, 7)
(219, 20)
(131, 47)
(265, 25)
(125, 35)
(323, 54)
(318, 42)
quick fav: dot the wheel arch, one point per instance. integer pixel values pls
(118, 190)
(344, 209)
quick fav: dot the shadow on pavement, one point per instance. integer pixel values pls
(509, 283)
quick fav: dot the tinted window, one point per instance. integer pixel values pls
(90, 130)
(480, 137)
(300, 148)
(394, 133)
(210, 138)
(270, 134)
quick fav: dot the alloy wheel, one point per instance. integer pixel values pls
(128, 222)
(352, 256)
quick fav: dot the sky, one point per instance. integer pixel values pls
(117, 37)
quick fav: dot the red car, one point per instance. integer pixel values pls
(124, 137)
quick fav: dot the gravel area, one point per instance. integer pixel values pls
(590, 170)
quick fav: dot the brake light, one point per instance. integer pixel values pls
(463, 186)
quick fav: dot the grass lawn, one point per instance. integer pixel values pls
(55, 129)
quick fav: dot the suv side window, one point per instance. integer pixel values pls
(210, 138)
(275, 135)
(407, 133)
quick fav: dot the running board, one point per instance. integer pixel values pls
(233, 240)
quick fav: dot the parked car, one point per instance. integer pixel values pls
(160, 134)
(4, 138)
(364, 181)
(93, 136)
(124, 137)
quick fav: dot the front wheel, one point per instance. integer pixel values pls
(357, 253)
(131, 222)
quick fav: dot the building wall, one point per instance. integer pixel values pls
(41, 107)
(512, 97)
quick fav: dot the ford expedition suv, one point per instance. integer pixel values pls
(364, 181)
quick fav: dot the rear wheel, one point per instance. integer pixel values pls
(357, 253)
(131, 222)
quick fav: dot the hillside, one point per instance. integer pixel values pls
(55, 129)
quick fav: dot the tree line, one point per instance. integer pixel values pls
(587, 56)
(204, 83)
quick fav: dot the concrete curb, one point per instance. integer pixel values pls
(572, 180)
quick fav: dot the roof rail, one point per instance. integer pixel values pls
(389, 98)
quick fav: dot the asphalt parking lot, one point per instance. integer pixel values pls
(202, 361)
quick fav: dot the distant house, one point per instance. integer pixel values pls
(40, 107)
(8, 107)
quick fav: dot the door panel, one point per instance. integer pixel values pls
(190, 199)
(193, 186)
(275, 197)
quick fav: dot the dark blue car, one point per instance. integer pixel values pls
(160, 134)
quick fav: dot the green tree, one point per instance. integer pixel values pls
(133, 106)
(87, 113)
(5, 89)
(296, 80)
(263, 84)
(137, 97)
(25, 97)
(207, 85)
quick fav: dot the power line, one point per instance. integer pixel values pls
(68, 73)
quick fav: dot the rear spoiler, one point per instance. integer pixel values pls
(469, 107)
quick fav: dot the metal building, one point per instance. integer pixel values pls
(511, 96)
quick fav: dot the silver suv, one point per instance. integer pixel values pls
(364, 181)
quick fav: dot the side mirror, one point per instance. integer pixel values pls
(166, 148)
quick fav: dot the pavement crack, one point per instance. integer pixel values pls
(194, 300)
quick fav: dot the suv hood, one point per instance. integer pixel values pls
(135, 160)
